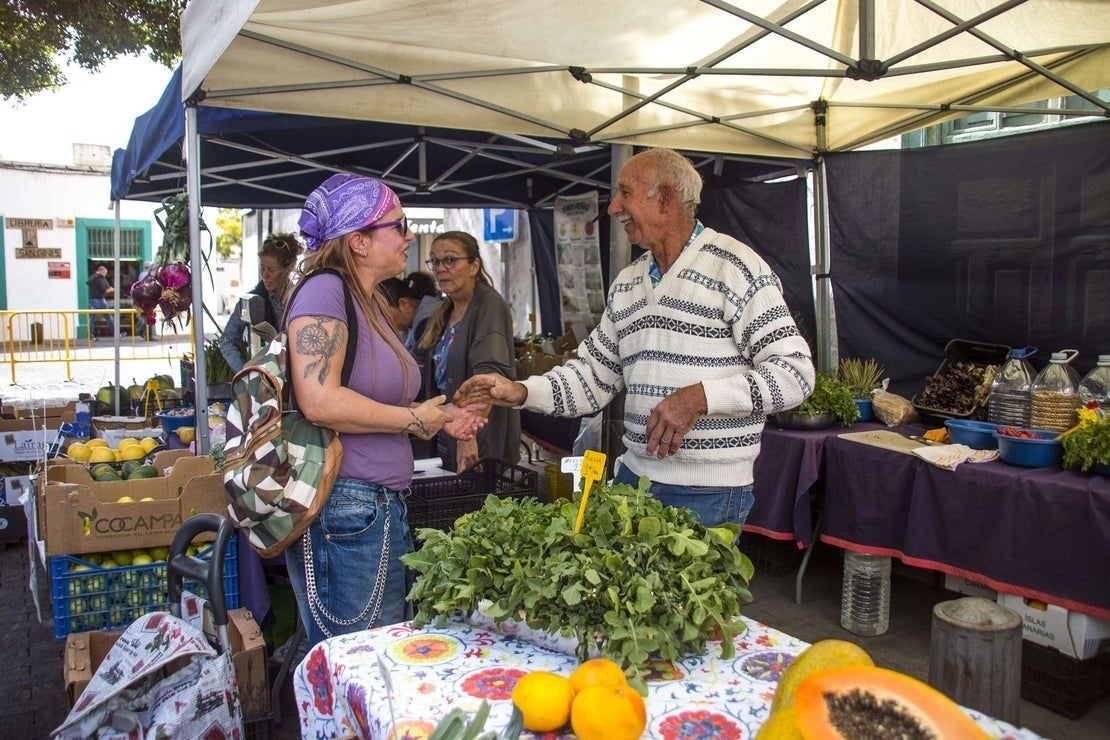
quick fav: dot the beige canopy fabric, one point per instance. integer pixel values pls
(795, 78)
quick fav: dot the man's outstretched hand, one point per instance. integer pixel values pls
(490, 388)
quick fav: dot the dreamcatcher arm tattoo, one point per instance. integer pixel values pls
(320, 340)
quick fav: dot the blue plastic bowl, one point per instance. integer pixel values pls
(1041, 452)
(978, 435)
(172, 422)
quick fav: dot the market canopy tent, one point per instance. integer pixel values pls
(801, 78)
(252, 159)
(796, 78)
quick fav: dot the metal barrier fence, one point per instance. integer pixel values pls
(76, 336)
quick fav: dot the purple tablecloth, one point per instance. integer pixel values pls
(787, 471)
(1043, 533)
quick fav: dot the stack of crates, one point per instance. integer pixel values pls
(89, 593)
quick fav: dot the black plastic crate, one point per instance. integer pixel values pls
(773, 557)
(1066, 685)
(438, 502)
(962, 350)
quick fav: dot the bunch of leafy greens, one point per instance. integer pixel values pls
(830, 394)
(1087, 446)
(640, 580)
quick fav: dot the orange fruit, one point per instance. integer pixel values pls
(598, 671)
(544, 700)
(603, 712)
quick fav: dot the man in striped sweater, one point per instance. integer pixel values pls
(697, 332)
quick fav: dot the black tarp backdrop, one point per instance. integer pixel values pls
(770, 217)
(1004, 241)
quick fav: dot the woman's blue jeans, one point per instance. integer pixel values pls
(357, 579)
(713, 505)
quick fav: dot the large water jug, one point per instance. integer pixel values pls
(865, 594)
(1056, 394)
(1095, 386)
(1010, 402)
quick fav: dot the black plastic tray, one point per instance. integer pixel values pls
(438, 502)
(962, 350)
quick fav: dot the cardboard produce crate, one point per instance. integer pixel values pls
(78, 515)
(85, 651)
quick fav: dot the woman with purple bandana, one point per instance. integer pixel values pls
(346, 569)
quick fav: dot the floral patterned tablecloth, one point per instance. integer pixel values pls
(341, 685)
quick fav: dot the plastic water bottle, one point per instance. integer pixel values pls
(1011, 399)
(1056, 394)
(865, 595)
(1095, 385)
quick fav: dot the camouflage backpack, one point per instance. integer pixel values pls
(278, 466)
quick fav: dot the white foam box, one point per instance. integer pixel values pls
(968, 587)
(14, 486)
(1072, 633)
(25, 439)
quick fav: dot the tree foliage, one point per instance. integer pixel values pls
(230, 240)
(38, 36)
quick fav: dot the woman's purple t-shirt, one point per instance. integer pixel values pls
(384, 458)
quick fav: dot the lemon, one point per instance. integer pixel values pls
(101, 455)
(97, 442)
(187, 434)
(79, 451)
(544, 700)
(132, 452)
(127, 442)
(125, 500)
(148, 443)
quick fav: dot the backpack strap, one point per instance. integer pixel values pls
(352, 321)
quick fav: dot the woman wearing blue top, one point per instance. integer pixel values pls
(472, 332)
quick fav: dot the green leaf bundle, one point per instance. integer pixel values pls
(641, 580)
(1087, 446)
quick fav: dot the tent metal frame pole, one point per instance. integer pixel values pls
(116, 239)
(826, 324)
(196, 259)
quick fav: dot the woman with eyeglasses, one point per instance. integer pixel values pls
(472, 332)
(346, 568)
(276, 261)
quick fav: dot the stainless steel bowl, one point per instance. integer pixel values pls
(794, 420)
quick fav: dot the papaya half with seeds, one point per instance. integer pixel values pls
(820, 656)
(866, 702)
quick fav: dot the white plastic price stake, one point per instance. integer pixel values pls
(573, 465)
(593, 467)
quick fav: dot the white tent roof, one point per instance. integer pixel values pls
(749, 76)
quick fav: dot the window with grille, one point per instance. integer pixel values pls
(102, 243)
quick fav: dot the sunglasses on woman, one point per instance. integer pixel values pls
(401, 224)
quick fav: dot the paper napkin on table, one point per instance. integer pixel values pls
(949, 456)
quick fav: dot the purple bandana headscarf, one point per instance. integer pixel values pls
(342, 204)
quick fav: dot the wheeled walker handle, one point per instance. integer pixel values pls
(180, 566)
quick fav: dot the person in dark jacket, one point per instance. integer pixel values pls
(472, 332)
(99, 292)
(276, 261)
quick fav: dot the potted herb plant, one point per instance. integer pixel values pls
(862, 377)
(831, 401)
(1087, 447)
